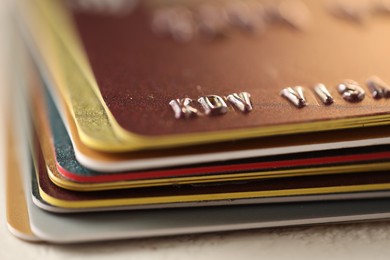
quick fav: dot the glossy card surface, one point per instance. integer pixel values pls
(75, 175)
(109, 162)
(136, 79)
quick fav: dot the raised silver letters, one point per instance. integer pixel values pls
(183, 108)
(241, 101)
(351, 91)
(378, 88)
(294, 95)
(323, 93)
(213, 105)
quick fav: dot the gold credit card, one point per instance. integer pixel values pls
(16, 206)
(159, 75)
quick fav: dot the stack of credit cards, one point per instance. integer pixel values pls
(162, 117)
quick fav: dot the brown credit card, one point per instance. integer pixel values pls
(70, 174)
(170, 74)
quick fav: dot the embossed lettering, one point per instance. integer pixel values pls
(213, 105)
(350, 12)
(241, 101)
(351, 91)
(103, 7)
(323, 93)
(183, 108)
(294, 95)
(294, 13)
(378, 88)
(218, 19)
(246, 16)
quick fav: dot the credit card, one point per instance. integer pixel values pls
(170, 94)
(143, 160)
(18, 221)
(100, 226)
(70, 174)
(201, 194)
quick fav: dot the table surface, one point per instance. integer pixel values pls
(357, 241)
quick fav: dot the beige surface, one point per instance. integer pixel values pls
(16, 207)
(358, 241)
